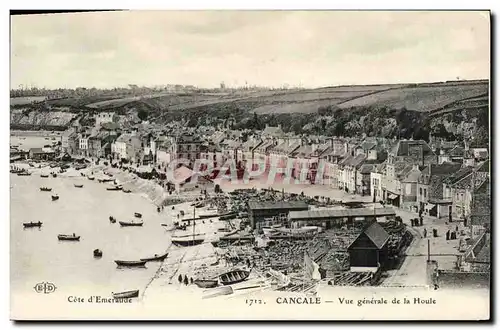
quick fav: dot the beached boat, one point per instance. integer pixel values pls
(45, 189)
(126, 294)
(73, 237)
(97, 253)
(124, 263)
(23, 173)
(188, 240)
(220, 291)
(112, 219)
(44, 175)
(106, 180)
(55, 197)
(234, 276)
(54, 175)
(130, 224)
(210, 213)
(115, 188)
(32, 224)
(78, 185)
(90, 178)
(156, 257)
(127, 191)
(228, 216)
(206, 284)
(137, 215)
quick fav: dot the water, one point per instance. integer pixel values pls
(38, 256)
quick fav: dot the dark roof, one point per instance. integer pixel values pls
(411, 147)
(367, 168)
(257, 205)
(323, 214)
(458, 175)
(377, 234)
(36, 150)
(484, 167)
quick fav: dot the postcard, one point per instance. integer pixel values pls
(250, 165)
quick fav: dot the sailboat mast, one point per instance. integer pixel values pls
(194, 222)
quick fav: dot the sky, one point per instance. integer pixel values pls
(264, 48)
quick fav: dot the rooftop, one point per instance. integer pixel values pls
(340, 213)
(256, 205)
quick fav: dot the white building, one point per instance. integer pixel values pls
(105, 117)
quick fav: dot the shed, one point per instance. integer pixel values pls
(259, 212)
(368, 252)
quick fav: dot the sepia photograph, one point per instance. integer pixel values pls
(250, 165)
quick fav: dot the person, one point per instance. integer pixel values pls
(421, 220)
(448, 235)
(435, 279)
(180, 278)
(456, 228)
(425, 232)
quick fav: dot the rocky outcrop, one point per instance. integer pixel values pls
(33, 119)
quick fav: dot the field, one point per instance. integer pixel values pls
(26, 100)
(419, 98)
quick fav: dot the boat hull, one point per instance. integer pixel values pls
(122, 263)
(68, 238)
(206, 284)
(157, 258)
(233, 277)
(183, 242)
(126, 294)
(130, 224)
(32, 224)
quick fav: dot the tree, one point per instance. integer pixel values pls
(142, 114)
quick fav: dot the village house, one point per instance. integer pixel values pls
(377, 182)
(83, 144)
(413, 151)
(270, 132)
(105, 117)
(187, 147)
(281, 153)
(127, 147)
(248, 148)
(431, 197)
(261, 153)
(348, 172)
(42, 154)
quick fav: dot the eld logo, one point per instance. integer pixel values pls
(45, 287)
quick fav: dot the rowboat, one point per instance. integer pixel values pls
(78, 185)
(228, 216)
(97, 253)
(45, 189)
(130, 224)
(54, 175)
(137, 215)
(220, 291)
(156, 257)
(126, 294)
(188, 240)
(123, 263)
(112, 219)
(204, 283)
(234, 276)
(115, 188)
(24, 174)
(44, 175)
(55, 197)
(90, 178)
(32, 224)
(126, 191)
(68, 237)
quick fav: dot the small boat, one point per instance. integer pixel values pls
(24, 174)
(45, 189)
(44, 175)
(220, 291)
(205, 284)
(123, 263)
(54, 175)
(55, 197)
(126, 294)
(115, 188)
(106, 180)
(234, 276)
(112, 219)
(90, 178)
(97, 253)
(130, 224)
(127, 191)
(228, 216)
(156, 257)
(137, 215)
(73, 237)
(188, 240)
(32, 224)
(78, 185)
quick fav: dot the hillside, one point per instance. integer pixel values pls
(402, 110)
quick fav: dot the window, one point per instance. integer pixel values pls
(420, 191)
(425, 193)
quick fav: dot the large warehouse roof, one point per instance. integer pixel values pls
(327, 214)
